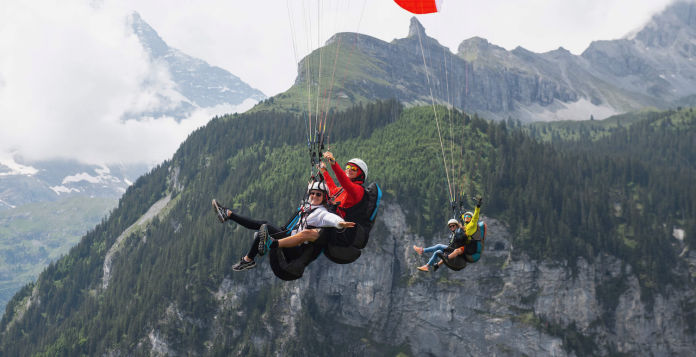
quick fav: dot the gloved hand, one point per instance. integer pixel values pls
(478, 201)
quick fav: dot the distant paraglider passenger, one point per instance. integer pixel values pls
(475, 235)
(457, 240)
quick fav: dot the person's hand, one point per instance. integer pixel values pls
(478, 200)
(329, 156)
(347, 224)
(322, 166)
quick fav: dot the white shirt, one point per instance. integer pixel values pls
(319, 217)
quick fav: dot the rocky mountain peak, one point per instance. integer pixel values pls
(560, 53)
(148, 36)
(677, 21)
(199, 84)
(415, 28)
(477, 45)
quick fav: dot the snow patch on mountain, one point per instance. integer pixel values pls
(103, 176)
(83, 181)
(62, 189)
(9, 167)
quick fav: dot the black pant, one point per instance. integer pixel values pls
(253, 224)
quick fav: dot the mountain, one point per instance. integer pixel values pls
(199, 84)
(653, 67)
(656, 61)
(85, 193)
(45, 207)
(24, 182)
(576, 260)
(590, 226)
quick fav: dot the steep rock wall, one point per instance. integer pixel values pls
(502, 305)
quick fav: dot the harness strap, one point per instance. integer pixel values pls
(334, 196)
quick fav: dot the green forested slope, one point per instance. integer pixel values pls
(661, 139)
(572, 130)
(561, 203)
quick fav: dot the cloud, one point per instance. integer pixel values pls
(69, 71)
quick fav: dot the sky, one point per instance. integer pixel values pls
(70, 69)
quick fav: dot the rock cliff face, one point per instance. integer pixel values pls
(503, 305)
(654, 67)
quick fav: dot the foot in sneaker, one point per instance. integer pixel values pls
(436, 267)
(220, 211)
(243, 265)
(423, 268)
(418, 249)
(264, 239)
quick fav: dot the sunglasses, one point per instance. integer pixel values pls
(452, 225)
(316, 193)
(351, 167)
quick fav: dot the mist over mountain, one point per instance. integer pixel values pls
(85, 192)
(198, 85)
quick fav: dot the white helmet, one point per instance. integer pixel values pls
(469, 215)
(361, 164)
(321, 186)
(452, 221)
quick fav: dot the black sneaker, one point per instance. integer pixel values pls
(264, 240)
(220, 211)
(243, 265)
(436, 267)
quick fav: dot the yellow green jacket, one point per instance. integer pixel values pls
(472, 226)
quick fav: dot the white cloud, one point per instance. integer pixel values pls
(68, 74)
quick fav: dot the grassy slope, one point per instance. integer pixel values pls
(328, 68)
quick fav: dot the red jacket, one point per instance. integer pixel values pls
(351, 192)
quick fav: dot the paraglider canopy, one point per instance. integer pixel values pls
(420, 6)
